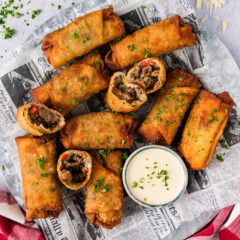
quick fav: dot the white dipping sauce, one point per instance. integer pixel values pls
(155, 176)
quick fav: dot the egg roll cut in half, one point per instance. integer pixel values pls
(41, 189)
(38, 119)
(74, 168)
(111, 159)
(104, 200)
(204, 128)
(75, 84)
(171, 104)
(100, 130)
(123, 96)
(81, 36)
(150, 74)
(151, 41)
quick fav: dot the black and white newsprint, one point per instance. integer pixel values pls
(208, 191)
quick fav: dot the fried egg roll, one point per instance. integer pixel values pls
(81, 36)
(104, 200)
(155, 40)
(75, 84)
(204, 128)
(171, 104)
(74, 168)
(38, 119)
(123, 96)
(112, 160)
(41, 189)
(100, 130)
(150, 74)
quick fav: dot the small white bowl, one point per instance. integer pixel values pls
(129, 159)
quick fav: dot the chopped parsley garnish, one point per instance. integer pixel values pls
(123, 142)
(223, 144)
(210, 117)
(143, 6)
(180, 79)
(105, 189)
(40, 162)
(217, 119)
(141, 187)
(74, 35)
(8, 33)
(98, 185)
(59, 7)
(134, 185)
(145, 199)
(131, 47)
(44, 174)
(2, 167)
(63, 89)
(124, 156)
(96, 62)
(54, 189)
(85, 80)
(35, 13)
(131, 113)
(98, 139)
(85, 40)
(73, 101)
(147, 53)
(214, 110)
(219, 158)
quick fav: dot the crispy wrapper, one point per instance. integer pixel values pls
(123, 96)
(81, 36)
(150, 74)
(171, 104)
(204, 128)
(74, 168)
(43, 121)
(100, 130)
(41, 189)
(104, 208)
(75, 84)
(155, 40)
(112, 160)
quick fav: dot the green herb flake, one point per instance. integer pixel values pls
(40, 162)
(134, 185)
(123, 142)
(2, 167)
(131, 47)
(74, 35)
(141, 187)
(210, 117)
(96, 62)
(124, 156)
(59, 7)
(105, 189)
(63, 89)
(54, 189)
(217, 119)
(85, 40)
(35, 13)
(143, 6)
(8, 33)
(219, 158)
(44, 174)
(131, 113)
(98, 140)
(145, 199)
(98, 185)
(214, 110)
(73, 101)
(180, 79)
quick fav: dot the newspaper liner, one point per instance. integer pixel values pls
(208, 191)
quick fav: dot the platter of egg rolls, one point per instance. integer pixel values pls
(130, 74)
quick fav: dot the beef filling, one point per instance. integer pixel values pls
(123, 91)
(74, 169)
(45, 117)
(148, 74)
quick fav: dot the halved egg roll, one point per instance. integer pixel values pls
(155, 40)
(41, 189)
(38, 119)
(171, 104)
(99, 130)
(75, 84)
(204, 128)
(81, 36)
(104, 200)
(123, 96)
(74, 168)
(150, 74)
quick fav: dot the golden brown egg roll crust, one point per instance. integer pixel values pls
(155, 40)
(41, 189)
(104, 209)
(32, 122)
(81, 36)
(171, 104)
(204, 128)
(100, 130)
(75, 84)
